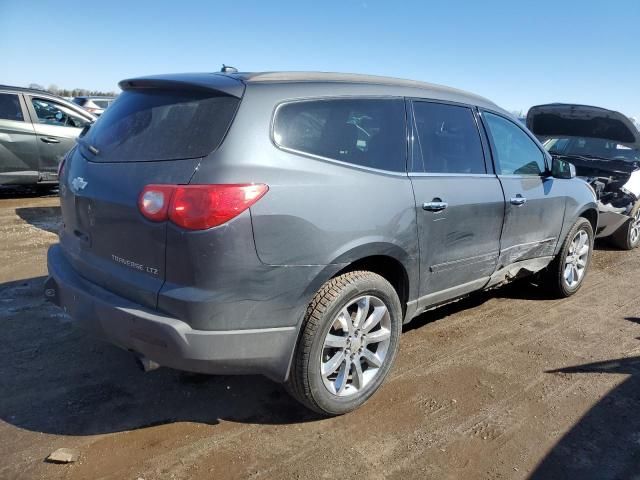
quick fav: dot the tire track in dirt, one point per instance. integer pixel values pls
(470, 396)
(482, 422)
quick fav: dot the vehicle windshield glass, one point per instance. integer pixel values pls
(591, 147)
(155, 124)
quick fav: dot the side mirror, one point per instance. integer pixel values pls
(562, 169)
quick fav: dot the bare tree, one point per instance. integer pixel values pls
(76, 92)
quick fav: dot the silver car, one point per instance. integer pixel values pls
(94, 105)
(36, 130)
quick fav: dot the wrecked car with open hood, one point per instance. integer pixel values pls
(604, 147)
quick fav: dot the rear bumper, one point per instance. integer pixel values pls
(165, 340)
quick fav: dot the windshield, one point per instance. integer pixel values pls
(154, 124)
(591, 147)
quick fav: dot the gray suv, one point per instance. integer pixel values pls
(288, 224)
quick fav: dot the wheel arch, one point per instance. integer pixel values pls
(389, 268)
(574, 211)
(591, 214)
(394, 263)
(391, 262)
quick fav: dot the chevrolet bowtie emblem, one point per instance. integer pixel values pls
(78, 184)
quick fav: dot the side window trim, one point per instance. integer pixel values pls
(26, 113)
(413, 139)
(496, 166)
(401, 172)
(408, 135)
(484, 140)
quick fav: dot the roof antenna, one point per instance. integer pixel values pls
(228, 69)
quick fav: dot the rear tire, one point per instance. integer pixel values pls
(565, 275)
(349, 340)
(627, 237)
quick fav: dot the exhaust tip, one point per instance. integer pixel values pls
(146, 364)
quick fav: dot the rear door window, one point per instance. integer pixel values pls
(515, 152)
(155, 124)
(10, 108)
(365, 132)
(447, 140)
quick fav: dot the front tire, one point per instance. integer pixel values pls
(565, 275)
(348, 342)
(627, 237)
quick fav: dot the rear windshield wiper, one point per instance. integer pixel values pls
(88, 146)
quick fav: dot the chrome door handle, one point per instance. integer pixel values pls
(518, 200)
(436, 205)
(49, 140)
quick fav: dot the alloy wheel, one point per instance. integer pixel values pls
(634, 231)
(356, 346)
(576, 260)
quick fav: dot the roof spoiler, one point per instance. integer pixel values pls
(212, 82)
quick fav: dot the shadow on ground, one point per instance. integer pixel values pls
(59, 380)
(56, 379)
(605, 443)
(523, 289)
(28, 191)
(44, 218)
(607, 245)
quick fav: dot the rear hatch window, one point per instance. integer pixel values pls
(156, 124)
(146, 136)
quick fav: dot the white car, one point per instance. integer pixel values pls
(94, 105)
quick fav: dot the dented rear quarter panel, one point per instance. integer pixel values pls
(580, 198)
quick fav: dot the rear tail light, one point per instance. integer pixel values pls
(198, 207)
(154, 201)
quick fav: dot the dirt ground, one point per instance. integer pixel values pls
(504, 384)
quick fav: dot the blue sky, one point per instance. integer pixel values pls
(517, 53)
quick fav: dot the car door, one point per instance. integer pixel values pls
(56, 126)
(459, 201)
(19, 154)
(534, 200)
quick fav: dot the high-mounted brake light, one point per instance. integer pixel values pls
(198, 207)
